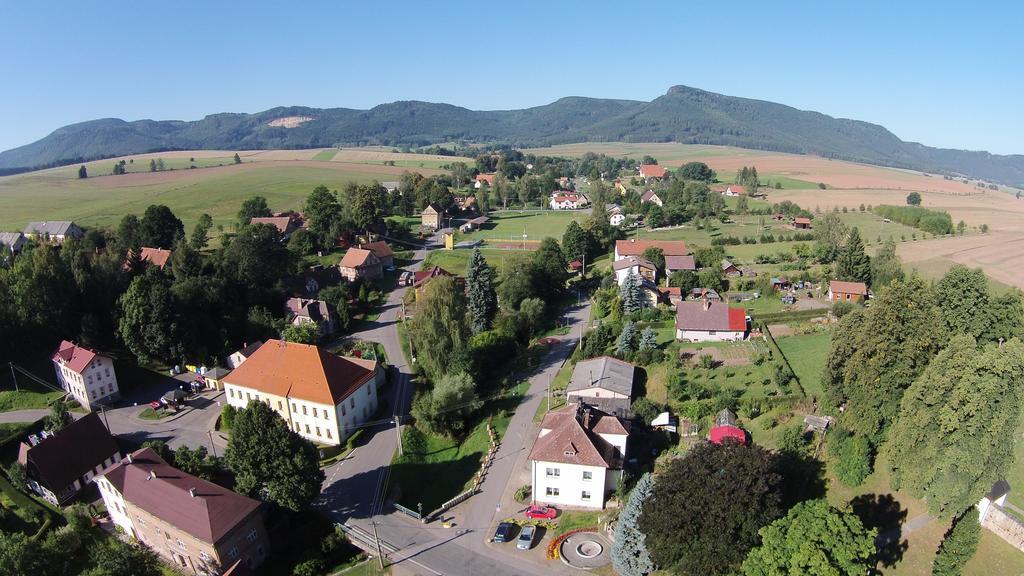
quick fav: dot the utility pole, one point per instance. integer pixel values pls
(13, 377)
(549, 394)
(398, 433)
(380, 553)
(212, 446)
(103, 409)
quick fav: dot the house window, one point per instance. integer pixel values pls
(552, 472)
(296, 426)
(847, 296)
(252, 535)
(279, 407)
(352, 402)
(307, 428)
(303, 409)
(317, 430)
(588, 476)
(585, 495)
(248, 396)
(314, 412)
(327, 415)
(550, 491)
(233, 553)
(205, 557)
(180, 543)
(294, 408)
(328, 432)
(342, 409)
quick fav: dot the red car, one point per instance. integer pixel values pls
(541, 513)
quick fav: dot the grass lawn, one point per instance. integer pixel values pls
(325, 155)
(558, 385)
(30, 393)
(24, 514)
(457, 261)
(536, 225)
(573, 519)
(807, 354)
(150, 414)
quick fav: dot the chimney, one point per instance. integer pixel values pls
(586, 418)
(129, 458)
(192, 492)
(152, 475)
(707, 303)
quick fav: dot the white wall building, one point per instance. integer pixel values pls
(577, 458)
(322, 397)
(708, 321)
(89, 377)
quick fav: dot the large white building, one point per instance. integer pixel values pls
(322, 397)
(577, 458)
(89, 377)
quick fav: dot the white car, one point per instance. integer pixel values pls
(526, 536)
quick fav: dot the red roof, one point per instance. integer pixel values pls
(802, 220)
(280, 222)
(636, 247)
(75, 357)
(841, 287)
(719, 434)
(575, 265)
(652, 171)
(489, 178)
(736, 188)
(156, 256)
(737, 319)
(421, 277)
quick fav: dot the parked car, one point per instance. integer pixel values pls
(504, 532)
(526, 536)
(541, 513)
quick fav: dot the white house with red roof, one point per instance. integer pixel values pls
(734, 190)
(484, 179)
(651, 197)
(652, 171)
(634, 247)
(578, 456)
(567, 200)
(708, 321)
(85, 374)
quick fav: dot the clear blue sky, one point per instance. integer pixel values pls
(944, 75)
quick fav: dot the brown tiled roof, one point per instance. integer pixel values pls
(155, 256)
(301, 371)
(568, 442)
(356, 257)
(280, 222)
(801, 220)
(680, 263)
(652, 171)
(635, 247)
(630, 261)
(421, 277)
(211, 514)
(648, 196)
(848, 287)
(710, 316)
(75, 357)
(380, 249)
(489, 178)
(315, 310)
(62, 458)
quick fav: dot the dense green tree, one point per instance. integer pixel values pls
(447, 408)
(712, 278)
(830, 232)
(196, 461)
(271, 461)
(626, 344)
(629, 550)
(885, 266)
(550, 274)
(949, 445)
(238, 160)
(256, 259)
(201, 232)
(58, 418)
(368, 206)
(1007, 317)
(82, 172)
(115, 557)
(813, 539)
(851, 457)
(914, 199)
(853, 264)
(20, 554)
(958, 546)
(696, 171)
(440, 331)
(685, 280)
(575, 242)
(253, 207)
(43, 297)
(879, 351)
(152, 165)
(304, 333)
(148, 322)
(648, 339)
(159, 227)
(337, 298)
(631, 294)
(128, 234)
(703, 527)
(963, 297)
(482, 300)
(655, 256)
(516, 282)
(323, 214)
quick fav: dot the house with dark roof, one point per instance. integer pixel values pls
(85, 374)
(651, 197)
(674, 263)
(802, 223)
(60, 464)
(53, 231)
(708, 321)
(432, 215)
(196, 525)
(360, 264)
(13, 241)
(323, 397)
(641, 268)
(578, 456)
(605, 383)
(300, 311)
(285, 222)
(730, 269)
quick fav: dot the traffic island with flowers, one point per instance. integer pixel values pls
(556, 543)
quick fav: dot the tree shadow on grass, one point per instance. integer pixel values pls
(432, 483)
(803, 478)
(883, 512)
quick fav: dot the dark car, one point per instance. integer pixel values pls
(504, 532)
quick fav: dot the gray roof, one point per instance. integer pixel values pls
(604, 372)
(217, 373)
(726, 264)
(12, 239)
(680, 263)
(53, 227)
(630, 261)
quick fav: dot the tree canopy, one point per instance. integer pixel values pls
(159, 227)
(482, 300)
(696, 171)
(440, 331)
(853, 264)
(629, 550)
(253, 207)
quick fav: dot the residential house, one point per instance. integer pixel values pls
(605, 383)
(671, 294)
(322, 397)
(708, 294)
(310, 281)
(566, 200)
(62, 463)
(466, 203)
(484, 179)
(652, 172)
(674, 263)
(747, 272)
(300, 311)
(620, 187)
(153, 256)
(734, 190)
(651, 293)
(730, 269)
(14, 241)
(644, 269)
(286, 224)
(360, 264)
(847, 291)
(421, 278)
(85, 374)
(478, 222)
(707, 321)
(578, 456)
(615, 214)
(54, 231)
(389, 186)
(214, 377)
(634, 247)
(802, 223)
(240, 356)
(727, 428)
(196, 525)
(382, 251)
(651, 197)
(431, 216)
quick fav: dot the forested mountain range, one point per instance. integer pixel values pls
(683, 114)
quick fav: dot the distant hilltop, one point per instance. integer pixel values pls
(683, 114)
